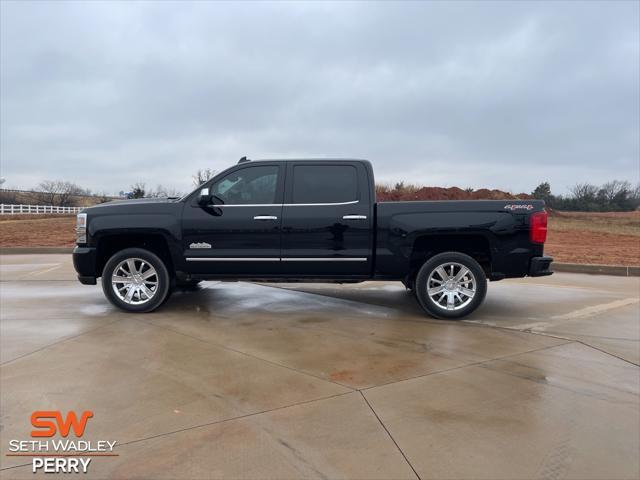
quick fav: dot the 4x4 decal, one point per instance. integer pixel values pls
(517, 206)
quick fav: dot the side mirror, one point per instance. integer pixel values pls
(204, 198)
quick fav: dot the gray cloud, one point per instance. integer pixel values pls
(473, 94)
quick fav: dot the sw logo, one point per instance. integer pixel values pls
(60, 455)
(48, 428)
(49, 422)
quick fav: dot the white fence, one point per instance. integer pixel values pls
(36, 209)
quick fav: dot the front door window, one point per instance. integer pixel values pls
(249, 186)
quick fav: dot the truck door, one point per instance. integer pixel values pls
(326, 220)
(242, 235)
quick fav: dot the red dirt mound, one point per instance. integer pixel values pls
(386, 194)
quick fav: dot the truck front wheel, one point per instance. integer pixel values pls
(135, 280)
(450, 285)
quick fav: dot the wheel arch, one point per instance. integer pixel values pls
(476, 245)
(109, 244)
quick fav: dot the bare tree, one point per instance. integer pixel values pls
(138, 190)
(69, 192)
(163, 192)
(584, 192)
(103, 197)
(59, 192)
(615, 189)
(203, 175)
(48, 191)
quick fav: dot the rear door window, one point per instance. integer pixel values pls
(324, 184)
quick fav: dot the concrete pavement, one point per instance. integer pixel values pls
(240, 380)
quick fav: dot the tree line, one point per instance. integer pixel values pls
(613, 196)
(62, 193)
(616, 195)
(57, 193)
(140, 190)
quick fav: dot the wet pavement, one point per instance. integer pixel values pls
(240, 380)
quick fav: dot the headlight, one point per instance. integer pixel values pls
(81, 228)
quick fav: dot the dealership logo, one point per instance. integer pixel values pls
(66, 455)
(41, 420)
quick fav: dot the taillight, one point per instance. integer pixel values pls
(538, 227)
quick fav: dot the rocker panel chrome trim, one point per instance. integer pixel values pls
(232, 259)
(325, 259)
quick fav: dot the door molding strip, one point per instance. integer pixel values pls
(223, 205)
(275, 259)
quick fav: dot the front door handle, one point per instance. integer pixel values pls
(265, 217)
(354, 217)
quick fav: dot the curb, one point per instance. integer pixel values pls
(593, 269)
(33, 250)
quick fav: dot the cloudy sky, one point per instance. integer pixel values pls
(480, 94)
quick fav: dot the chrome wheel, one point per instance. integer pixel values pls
(451, 286)
(134, 281)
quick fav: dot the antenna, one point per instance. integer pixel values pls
(243, 160)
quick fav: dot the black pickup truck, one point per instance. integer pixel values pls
(308, 220)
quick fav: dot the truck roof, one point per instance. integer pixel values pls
(245, 159)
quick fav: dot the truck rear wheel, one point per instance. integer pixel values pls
(450, 285)
(135, 280)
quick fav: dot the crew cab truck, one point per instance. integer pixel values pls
(308, 220)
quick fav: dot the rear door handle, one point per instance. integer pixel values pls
(354, 217)
(265, 217)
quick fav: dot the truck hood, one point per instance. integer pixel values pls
(134, 201)
(135, 206)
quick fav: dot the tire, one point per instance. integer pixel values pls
(450, 299)
(168, 295)
(145, 263)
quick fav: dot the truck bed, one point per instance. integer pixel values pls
(499, 226)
